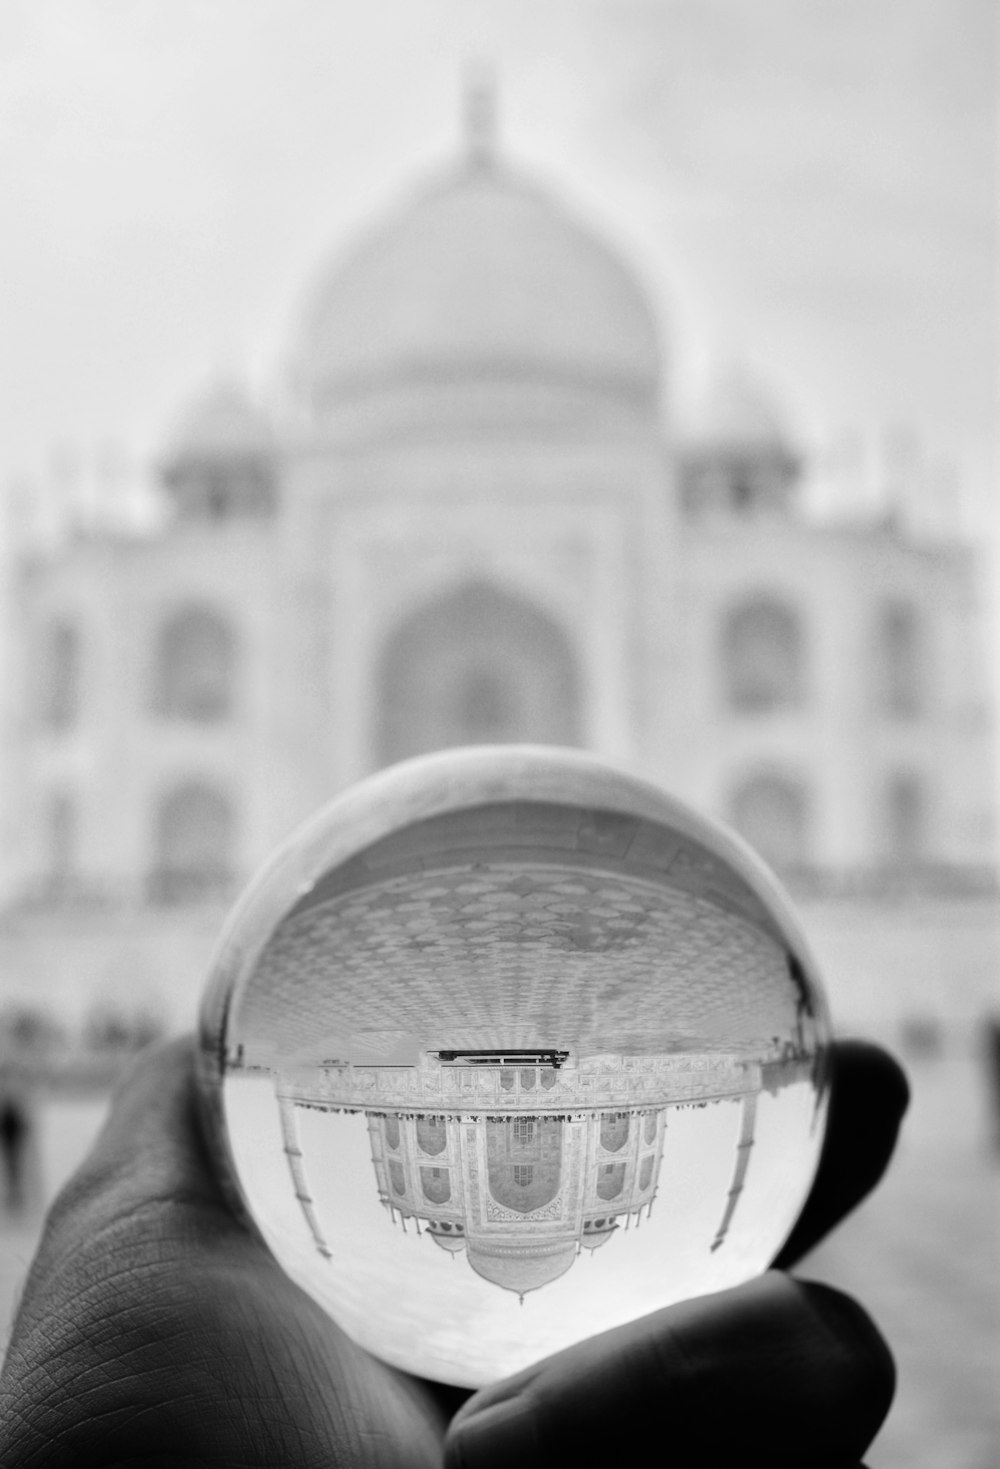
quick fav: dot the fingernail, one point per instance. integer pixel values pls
(499, 1437)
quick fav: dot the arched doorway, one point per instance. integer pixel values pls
(476, 666)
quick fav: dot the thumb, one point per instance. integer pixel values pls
(776, 1372)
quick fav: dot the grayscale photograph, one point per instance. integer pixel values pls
(499, 761)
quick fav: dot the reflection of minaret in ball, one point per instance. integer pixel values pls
(296, 1167)
(748, 1118)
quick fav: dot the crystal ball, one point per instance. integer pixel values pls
(506, 1047)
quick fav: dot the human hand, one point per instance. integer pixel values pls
(156, 1331)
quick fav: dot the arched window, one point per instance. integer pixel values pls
(435, 1184)
(524, 1161)
(390, 1127)
(905, 819)
(396, 1178)
(900, 673)
(610, 1180)
(646, 1171)
(771, 812)
(649, 1127)
(614, 1130)
(431, 1135)
(476, 666)
(59, 675)
(762, 657)
(195, 666)
(194, 843)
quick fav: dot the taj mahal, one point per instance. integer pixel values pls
(470, 515)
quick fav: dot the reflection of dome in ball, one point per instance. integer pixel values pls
(521, 1270)
(453, 1243)
(481, 273)
(597, 1234)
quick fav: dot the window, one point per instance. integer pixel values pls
(193, 844)
(390, 1126)
(61, 837)
(762, 658)
(646, 1171)
(524, 1130)
(431, 1135)
(610, 1180)
(900, 667)
(59, 667)
(906, 819)
(771, 812)
(195, 667)
(614, 1130)
(435, 1185)
(523, 1174)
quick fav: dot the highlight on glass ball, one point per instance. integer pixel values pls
(507, 1047)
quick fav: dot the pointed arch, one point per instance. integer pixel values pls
(477, 665)
(771, 810)
(59, 664)
(193, 843)
(194, 666)
(900, 674)
(763, 656)
(524, 1161)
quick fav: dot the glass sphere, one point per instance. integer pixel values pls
(507, 1047)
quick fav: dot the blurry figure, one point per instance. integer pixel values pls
(920, 1037)
(15, 1141)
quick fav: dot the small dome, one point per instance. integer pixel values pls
(521, 1270)
(453, 1243)
(737, 414)
(593, 1238)
(481, 274)
(219, 460)
(222, 423)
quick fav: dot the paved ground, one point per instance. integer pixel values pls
(922, 1255)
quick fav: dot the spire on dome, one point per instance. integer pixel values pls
(479, 114)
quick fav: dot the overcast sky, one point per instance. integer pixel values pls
(808, 186)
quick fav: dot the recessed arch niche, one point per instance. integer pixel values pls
(476, 665)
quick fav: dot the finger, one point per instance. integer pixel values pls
(154, 1324)
(868, 1099)
(775, 1372)
(150, 1150)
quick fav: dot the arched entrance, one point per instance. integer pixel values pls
(476, 666)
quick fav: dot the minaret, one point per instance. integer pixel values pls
(747, 1120)
(296, 1167)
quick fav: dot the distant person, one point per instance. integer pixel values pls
(155, 1330)
(15, 1137)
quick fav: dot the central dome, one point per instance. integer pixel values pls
(483, 276)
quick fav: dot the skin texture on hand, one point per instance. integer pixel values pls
(156, 1331)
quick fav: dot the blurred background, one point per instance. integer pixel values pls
(596, 372)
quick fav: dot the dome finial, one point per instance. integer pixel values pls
(479, 113)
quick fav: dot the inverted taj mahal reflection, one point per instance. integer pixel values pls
(531, 1158)
(526, 1041)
